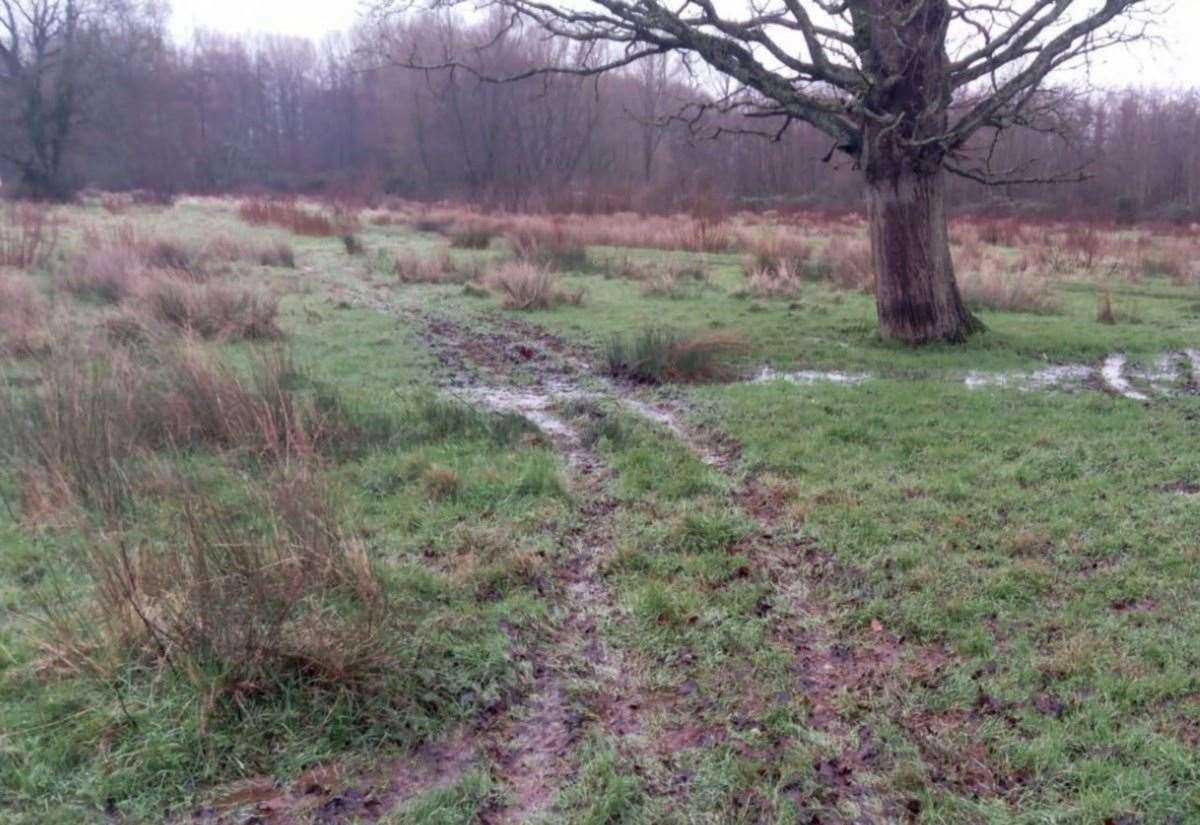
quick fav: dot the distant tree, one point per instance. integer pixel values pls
(900, 86)
(41, 58)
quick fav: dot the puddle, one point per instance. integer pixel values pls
(1113, 373)
(1052, 377)
(664, 419)
(1168, 374)
(809, 377)
(669, 421)
(535, 405)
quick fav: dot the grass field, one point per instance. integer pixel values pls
(429, 516)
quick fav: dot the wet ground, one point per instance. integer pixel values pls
(515, 368)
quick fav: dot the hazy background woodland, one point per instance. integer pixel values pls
(121, 105)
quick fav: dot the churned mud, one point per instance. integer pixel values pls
(333, 794)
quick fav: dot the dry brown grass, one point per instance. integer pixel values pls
(109, 268)
(773, 252)
(114, 266)
(299, 219)
(471, 235)
(23, 316)
(991, 286)
(436, 269)
(554, 249)
(526, 286)
(624, 229)
(848, 263)
(297, 599)
(169, 281)
(212, 311)
(28, 235)
(779, 281)
(1168, 258)
(226, 249)
(95, 414)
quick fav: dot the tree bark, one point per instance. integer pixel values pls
(902, 44)
(916, 295)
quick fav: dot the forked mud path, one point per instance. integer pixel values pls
(514, 367)
(580, 682)
(828, 669)
(519, 372)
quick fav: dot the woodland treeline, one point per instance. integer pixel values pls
(115, 103)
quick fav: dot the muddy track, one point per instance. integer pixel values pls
(827, 667)
(830, 670)
(532, 374)
(580, 682)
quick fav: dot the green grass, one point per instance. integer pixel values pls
(1036, 542)
(1031, 534)
(458, 567)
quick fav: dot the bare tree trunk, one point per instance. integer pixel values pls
(916, 296)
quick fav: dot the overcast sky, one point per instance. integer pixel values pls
(1175, 64)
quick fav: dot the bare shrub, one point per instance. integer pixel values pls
(28, 235)
(710, 236)
(995, 233)
(23, 316)
(526, 286)
(659, 356)
(214, 310)
(1085, 245)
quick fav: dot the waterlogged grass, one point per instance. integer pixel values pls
(1042, 546)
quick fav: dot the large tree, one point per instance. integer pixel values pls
(900, 86)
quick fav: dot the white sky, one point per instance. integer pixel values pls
(1173, 63)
